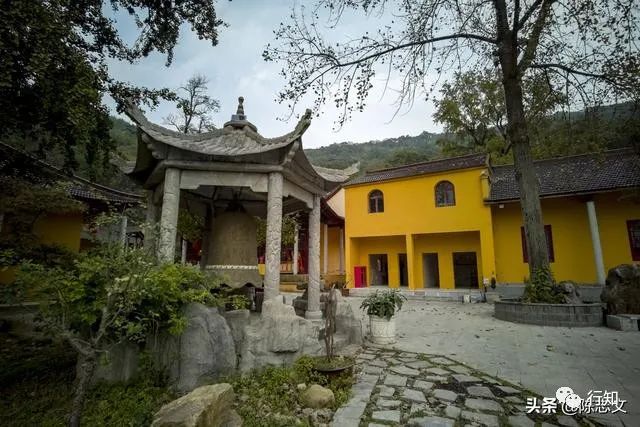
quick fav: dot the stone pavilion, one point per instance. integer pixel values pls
(229, 174)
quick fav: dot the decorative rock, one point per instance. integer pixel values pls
(461, 378)
(204, 351)
(388, 404)
(413, 395)
(447, 395)
(403, 370)
(484, 419)
(452, 411)
(567, 421)
(480, 391)
(301, 387)
(386, 391)
(431, 422)
(423, 385)
(513, 399)
(521, 421)
(317, 396)
(509, 390)
(205, 406)
(438, 371)
(395, 380)
(622, 289)
(391, 416)
(483, 405)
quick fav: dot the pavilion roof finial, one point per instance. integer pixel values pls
(239, 119)
(240, 111)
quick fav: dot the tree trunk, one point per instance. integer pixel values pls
(523, 162)
(86, 368)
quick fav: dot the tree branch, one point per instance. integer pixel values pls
(423, 42)
(534, 38)
(535, 5)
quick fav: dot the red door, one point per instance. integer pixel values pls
(360, 276)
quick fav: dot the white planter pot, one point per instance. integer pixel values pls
(383, 331)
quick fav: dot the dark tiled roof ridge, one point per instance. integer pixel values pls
(572, 156)
(444, 159)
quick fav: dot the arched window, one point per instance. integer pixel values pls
(376, 201)
(445, 194)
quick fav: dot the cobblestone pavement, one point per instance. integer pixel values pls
(395, 387)
(538, 358)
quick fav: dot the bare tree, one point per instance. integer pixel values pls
(195, 108)
(587, 47)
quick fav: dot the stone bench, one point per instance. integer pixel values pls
(624, 322)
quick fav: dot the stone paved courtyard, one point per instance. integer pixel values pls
(538, 358)
(415, 389)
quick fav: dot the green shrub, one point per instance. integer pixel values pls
(383, 303)
(542, 288)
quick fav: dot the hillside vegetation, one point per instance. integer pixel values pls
(608, 127)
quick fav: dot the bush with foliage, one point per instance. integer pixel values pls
(111, 295)
(383, 303)
(269, 396)
(542, 288)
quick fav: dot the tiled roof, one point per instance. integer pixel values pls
(582, 174)
(442, 165)
(14, 162)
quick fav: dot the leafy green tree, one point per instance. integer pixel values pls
(587, 47)
(473, 111)
(108, 296)
(195, 108)
(54, 74)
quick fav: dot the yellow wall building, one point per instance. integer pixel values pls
(456, 223)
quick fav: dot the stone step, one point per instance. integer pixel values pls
(423, 294)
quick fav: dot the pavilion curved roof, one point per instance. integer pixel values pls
(238, 139)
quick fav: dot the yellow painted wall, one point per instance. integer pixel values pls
(572, 244)
(333, 266)
(409, 209)
(390, 245)
(63, 230)
(613, 210)
(445, 244)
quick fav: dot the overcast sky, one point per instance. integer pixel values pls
(235, 67)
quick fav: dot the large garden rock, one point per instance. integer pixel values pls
(204, 352)
(317, 397)
(207, 406)
(622, 290)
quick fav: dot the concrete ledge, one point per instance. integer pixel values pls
(624, 322)
(574, 315)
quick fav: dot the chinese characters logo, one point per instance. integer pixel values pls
(596, 402)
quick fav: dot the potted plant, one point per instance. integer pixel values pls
(331, 365)
(381, 308)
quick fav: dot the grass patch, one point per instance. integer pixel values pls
(270, 397)
(36, 388)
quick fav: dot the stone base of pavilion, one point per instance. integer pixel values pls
(217, 344)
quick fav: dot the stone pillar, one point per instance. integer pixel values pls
(123, 230)
(313, 290)
(595, 241)
(325, 250)
(169, 216)
(341, 248)
(410, 261)
(273, 237)
(296, 237)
